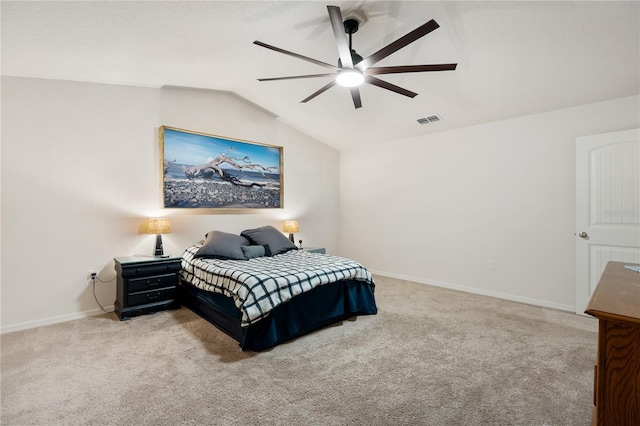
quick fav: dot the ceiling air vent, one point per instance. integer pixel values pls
(429, 119)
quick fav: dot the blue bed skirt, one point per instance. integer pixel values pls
(322, 306)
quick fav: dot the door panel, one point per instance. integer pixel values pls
(601, 255)
(615, 187)
(607, 206)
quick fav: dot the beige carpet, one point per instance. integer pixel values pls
(430, 357)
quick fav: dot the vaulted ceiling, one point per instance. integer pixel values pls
(514, 58)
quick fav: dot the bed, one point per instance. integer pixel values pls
(258, 288)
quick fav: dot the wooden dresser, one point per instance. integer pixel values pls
(616, 303)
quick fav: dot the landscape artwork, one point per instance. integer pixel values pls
(201, 171)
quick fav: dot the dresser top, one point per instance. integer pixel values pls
(144, 259)
(617, 296)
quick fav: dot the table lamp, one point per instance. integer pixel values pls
(291, 226)
(159, 226)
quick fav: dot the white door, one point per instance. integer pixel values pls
(607, 206)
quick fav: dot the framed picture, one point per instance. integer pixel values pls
(201, 171)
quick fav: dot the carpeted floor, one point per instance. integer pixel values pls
(430, 357)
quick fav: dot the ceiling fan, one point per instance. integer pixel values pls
(352, 69)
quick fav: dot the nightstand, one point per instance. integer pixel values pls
(314, 250)
(146, 285)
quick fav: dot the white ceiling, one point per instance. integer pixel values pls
(514, 58)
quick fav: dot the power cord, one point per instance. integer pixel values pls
(94, 277)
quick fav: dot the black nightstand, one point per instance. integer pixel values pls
(315, 249)
(146, 285)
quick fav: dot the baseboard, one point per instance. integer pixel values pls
(53, 320)
(505, 296)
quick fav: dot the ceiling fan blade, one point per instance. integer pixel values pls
(335, 16)
(319, 91)
(409, 68)
(398, 44)
(293, 77)
(355, 95)
(295, 55)
(389, 86)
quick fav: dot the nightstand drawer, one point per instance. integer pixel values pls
(152, 296)
(150, 269)
(152, 282)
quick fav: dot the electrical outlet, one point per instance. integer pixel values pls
(91, 276)
(493, 265)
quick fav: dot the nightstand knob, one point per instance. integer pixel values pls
(153, 296)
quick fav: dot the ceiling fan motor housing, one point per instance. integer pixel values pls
(355, 58)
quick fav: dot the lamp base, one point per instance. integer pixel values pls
(159, 250)
(291, 238)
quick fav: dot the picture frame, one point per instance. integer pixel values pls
(204, 171)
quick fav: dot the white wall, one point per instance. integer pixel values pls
(80, 174)
(436, 209)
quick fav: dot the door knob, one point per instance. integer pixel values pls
(583, 235)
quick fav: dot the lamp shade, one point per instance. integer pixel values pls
(290, 226)
(159, 226)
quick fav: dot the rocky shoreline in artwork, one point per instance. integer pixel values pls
(206, 193)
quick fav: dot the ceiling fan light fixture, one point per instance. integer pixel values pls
(350, 78)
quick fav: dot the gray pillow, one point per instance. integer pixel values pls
(222, 245)
(254, 251)
(270, 236)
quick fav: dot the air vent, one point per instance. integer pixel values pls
(429, 119)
